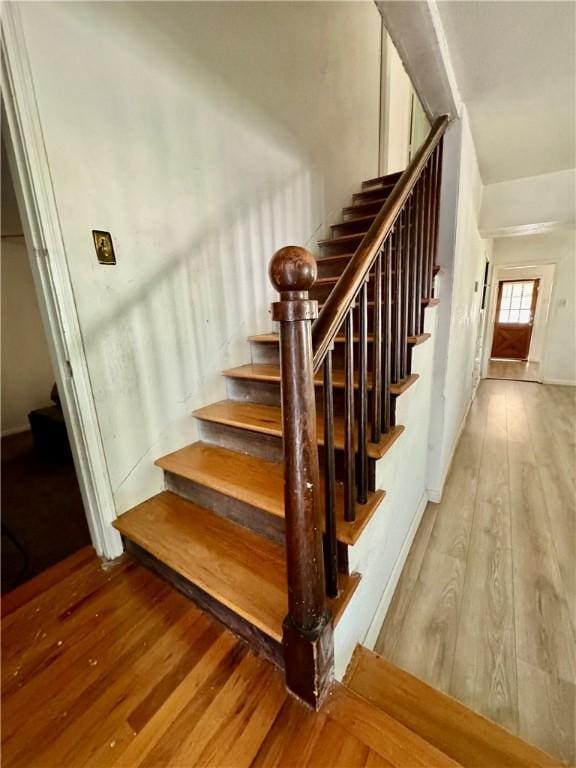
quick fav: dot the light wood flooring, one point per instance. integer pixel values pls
(485, 609)
(515, 370)
(109, 667)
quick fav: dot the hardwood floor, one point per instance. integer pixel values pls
(484, 609)
(515, 370)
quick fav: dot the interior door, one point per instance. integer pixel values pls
(514, 319)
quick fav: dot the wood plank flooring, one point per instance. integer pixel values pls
(485, 607)
(110, 667)
(515, 370)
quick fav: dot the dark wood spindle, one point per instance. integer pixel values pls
(404, 280)
(396, 298)
(413, 298)
(330, 542)
(349, 452)
(430, 182)
(437, 189)
(387, 334)
(377, 353)
(421, 253)
(307, 630)
(362, 478)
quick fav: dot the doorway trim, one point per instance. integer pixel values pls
(545, 272)
(35, 194)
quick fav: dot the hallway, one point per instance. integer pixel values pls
(485, 607)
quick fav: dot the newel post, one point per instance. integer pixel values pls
(307, 631)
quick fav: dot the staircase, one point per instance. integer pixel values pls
(217, 531)
(248, 525)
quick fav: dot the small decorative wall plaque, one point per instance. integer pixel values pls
(104, 247)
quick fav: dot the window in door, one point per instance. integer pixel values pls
(516, 302)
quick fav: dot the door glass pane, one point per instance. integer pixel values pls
(516, 302)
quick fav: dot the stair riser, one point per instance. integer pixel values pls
(333, 268)
(364, 209)
(262, 643)
(321, 291)
(263, 446)
(268, 393)
(233, 509)
(351, 225)
(265, 353)
(374, 193)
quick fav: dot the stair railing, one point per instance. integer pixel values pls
(385, 288)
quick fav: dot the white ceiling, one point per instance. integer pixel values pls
(515, 66)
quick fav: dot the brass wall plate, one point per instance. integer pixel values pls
(104, 247)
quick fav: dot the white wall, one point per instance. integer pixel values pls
(26, 371)
(532, 202)
(557, 248)
(381, 552)
(462, 254)
(203, 136)
(397, 95)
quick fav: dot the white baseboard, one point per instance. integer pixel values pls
(435, 494)
(385, 600)
(559, 382)
(15, 430)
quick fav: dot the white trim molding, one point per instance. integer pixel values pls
(382, 609)
(33, 185)
(560, 382)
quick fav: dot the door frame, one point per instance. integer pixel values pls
(47, 254)
(545, 271)
(533, 307)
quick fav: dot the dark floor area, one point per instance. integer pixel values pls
(43, 519)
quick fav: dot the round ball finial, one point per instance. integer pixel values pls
(292, 269)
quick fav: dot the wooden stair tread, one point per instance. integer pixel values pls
(240, 569)
(257, 482)
(271, 373)
(273, 338)
(388, 180)
(419, 339)
(342, 239)
(430, 302)
(467, 737)
(353, 208)
(367, 218)
(390, 739)
(267, 419)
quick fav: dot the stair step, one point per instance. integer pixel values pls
(257, 482)
(272, 338)
(262, 372)
(430, 302)
(390, 179)
(342, 239)
(267, 420)
(391, 740)
(235, 566)
(358, 208)
(415, 341)
(467, 737)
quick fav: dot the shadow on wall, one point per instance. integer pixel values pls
(207, 141)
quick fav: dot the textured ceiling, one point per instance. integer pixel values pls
(515, 65)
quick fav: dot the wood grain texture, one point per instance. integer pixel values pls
(508, 516)
(267, 419)
(466, 737)
(257, 482)
(143, 678)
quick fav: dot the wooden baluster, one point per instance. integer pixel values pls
(437, 190)
(349, 450)
(330, 543)
(396, 298)
(431, 180)
(307, 630)
(377, 353)
(387, 334)
(421, 252)
(413, 257)
(405, 277)
(363, 395)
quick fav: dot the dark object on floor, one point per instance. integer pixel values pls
(41, 509)
(49, 430)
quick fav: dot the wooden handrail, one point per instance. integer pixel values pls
(346, 289)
